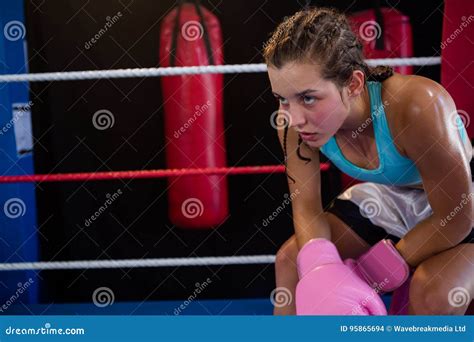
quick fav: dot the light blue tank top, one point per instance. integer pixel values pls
(393, 169)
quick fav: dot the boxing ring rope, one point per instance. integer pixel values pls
(188, 70)
(135, 263)
(110, 175)
(140, 174)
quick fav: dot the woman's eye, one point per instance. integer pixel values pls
(283, 101)
(308, 100)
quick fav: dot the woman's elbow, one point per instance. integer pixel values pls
(456, 229)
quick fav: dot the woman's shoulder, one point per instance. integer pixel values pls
(410, 100)
(411, 94)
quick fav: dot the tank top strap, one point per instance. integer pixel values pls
(377, 110)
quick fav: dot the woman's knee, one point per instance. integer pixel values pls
(286, 278)
(286, 256)
(431, 295)
(423, 293)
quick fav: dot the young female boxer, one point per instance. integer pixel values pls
(399, 134)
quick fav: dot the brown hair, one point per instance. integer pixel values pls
(323, 35)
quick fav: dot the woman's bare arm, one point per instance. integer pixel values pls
(308, 219)
(431, 139)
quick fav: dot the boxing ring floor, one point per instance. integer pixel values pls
(254, 306)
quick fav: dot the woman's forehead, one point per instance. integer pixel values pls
(295, 78)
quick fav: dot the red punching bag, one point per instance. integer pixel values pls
(384, 33)
(457, 54)
(194, 126)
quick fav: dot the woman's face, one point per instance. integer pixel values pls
(310, 103)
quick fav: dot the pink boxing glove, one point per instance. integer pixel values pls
(328, 287)
(382, 267)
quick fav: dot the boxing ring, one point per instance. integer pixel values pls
(454, 66)
(259, 306)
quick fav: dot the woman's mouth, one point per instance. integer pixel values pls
(308, 136)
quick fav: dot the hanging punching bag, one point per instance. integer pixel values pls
(384, 33)
(457, 54)
(194, 126)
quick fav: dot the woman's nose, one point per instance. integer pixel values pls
(297, 119)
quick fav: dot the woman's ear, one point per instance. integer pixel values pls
(357, 83)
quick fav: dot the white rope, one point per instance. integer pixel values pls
(134, 263)
(189, 70)
(415, 61)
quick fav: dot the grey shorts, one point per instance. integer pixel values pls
(377, 211)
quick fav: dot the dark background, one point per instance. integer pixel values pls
(136, 225)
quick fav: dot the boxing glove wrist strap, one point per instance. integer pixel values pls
(383, 267)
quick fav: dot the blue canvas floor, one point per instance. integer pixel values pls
(259, 306)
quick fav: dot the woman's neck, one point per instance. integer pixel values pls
(359, 118)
